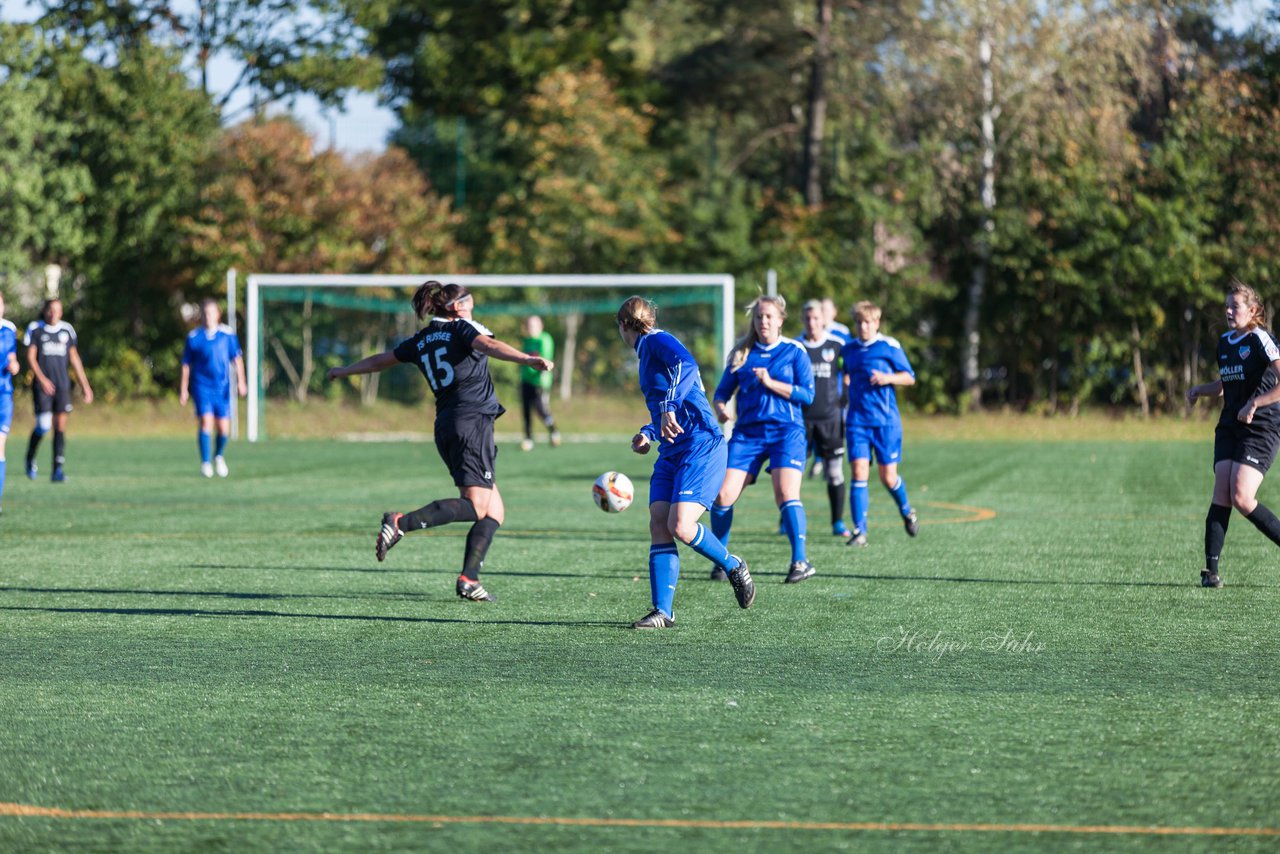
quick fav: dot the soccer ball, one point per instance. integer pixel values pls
(613, 492)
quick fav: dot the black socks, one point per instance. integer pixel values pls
(1265, 521)
(438, 513)
(479, 539)
(1215, 534)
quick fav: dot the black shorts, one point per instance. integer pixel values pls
(825, 438)
(1249, 444)
(466, 445)
(59, 401)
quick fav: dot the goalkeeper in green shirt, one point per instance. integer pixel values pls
(534, 384)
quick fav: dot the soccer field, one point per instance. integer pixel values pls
(223, 665)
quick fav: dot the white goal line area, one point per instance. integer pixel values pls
(257, 283)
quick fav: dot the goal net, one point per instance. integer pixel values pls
(296, 326)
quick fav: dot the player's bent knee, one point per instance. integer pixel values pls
(835, 471)
(44, 423)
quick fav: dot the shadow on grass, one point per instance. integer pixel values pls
(202, 612)
(1046, 581)
(491, 573)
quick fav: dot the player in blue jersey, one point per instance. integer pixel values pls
(773, 380)
(690, 466)
(1247, 437)
(208, 357)
(52, 348)
(873, 365)
(8, 370)
(452, 351)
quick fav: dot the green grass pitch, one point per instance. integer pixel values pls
(175, 645)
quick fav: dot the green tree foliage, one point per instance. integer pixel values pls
(42, 187)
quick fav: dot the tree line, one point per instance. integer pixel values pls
(1047, 198)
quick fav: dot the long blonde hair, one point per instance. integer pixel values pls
(742, 349)
(1251, 299)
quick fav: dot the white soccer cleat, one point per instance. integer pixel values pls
(206, 469)
(526, 444)
(220, 466)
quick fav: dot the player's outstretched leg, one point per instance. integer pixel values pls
(442, 512)
(899, 493)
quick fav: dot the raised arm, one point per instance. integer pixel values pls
(496, 349)
(368, 365)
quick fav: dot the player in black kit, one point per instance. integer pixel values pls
(824, 418)
(51, 348)
(1248, 431)
(452, 352)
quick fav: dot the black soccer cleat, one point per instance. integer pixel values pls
(911, 523)
(32, 470)
(1209, 579)
(801, 570)
(718, 574)
(856, 538)
(473, 591)
(655, 619)
(744, 589)
(388, 535)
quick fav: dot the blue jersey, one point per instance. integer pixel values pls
(671, 382)
(209, 355)
(786, 361)
(839, 330)
(8, 347)
(873, 406)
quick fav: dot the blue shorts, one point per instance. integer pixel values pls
(782, 445)
(693, 473)
(210, 401)
(885, 439)
(6, 413)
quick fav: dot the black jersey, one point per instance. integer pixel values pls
(457, 374)
(52, 343)
(1244, 364)
(828, 380)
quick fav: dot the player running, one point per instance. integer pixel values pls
(873, 365)
(824, 418)
(51, 347)
(8, 370)
(690, 465)
(773, 380)
(452, 352)
(207, 358)
(1248, 431)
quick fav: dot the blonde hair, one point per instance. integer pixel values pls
(743, 348)
(867, 309)
(638, 314)
(1251, 299)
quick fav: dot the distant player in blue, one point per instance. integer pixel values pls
(873, 365)
(690, 465)
(207, 361)
(8, 369)
(773, 380)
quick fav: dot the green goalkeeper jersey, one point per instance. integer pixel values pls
(538, 345)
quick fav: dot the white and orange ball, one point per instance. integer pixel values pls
(613, 492)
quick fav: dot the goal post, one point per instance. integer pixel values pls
(258, 283)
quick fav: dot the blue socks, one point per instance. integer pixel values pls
(1, 477)
(721, 522)
(859, 500)
(793, 520)
(899, 494)
(711, 547)
(205, 442)
(664, 569)
(220, 446)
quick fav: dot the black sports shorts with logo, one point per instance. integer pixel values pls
(59, 401)
(466, 445)
(825, 438)
(1253, 445)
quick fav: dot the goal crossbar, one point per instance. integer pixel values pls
(255, 283)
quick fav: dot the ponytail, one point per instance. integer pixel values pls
(638, 314)
(433, 298)
(1251, 299)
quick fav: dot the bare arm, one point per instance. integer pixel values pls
(33, 362)
(496, 349)
(184, 385)
(13, 366)
(901, 378)
(1213, 389)
(368, 365)
(73, 355)
(243, 388)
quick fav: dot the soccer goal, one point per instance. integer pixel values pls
(569, 295)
